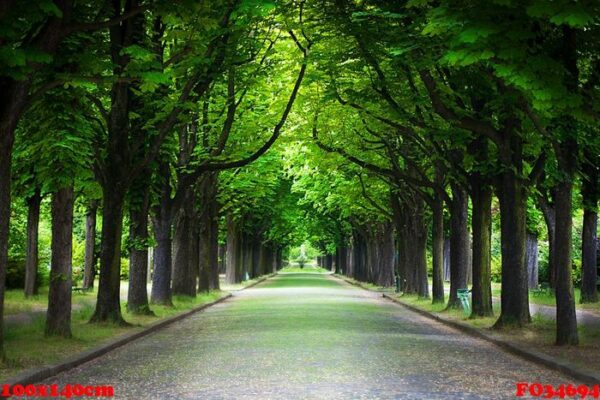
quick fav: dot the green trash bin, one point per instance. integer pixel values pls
(465, 300)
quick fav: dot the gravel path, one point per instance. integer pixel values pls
(308, 336)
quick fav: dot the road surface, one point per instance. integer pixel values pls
(309, 336)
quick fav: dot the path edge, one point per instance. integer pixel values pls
(529, 355)
(39, 374)
(32, 376)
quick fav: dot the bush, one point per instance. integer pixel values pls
(124, 268)
(576, 272)
(496, 269)
(78, 261)
(15, 274)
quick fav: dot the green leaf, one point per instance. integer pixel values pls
(49, 7)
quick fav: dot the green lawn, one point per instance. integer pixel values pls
(306, 269)
(15, 301)
(547, 299)
(539, 335)
(26, 347)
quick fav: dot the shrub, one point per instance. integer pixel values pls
(124, 268)
(15, 274)
(496, 269)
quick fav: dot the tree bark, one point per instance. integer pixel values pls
(58, 314)
(185, 255)
(548, 211)
(343, 259)
(13, 97)
(255, 267)
(247, 256)
(161, 278)
(222, 258)
(337, 260)
(137, 296)
(515, 294)
(204, 248)
(89, 270)
(566, 151)
(328, 262)
(269, 257)
(437, 247)
(108, 307)
(114, 174)
(566, 319)
(589, 280)
(32, 256)
(481, 197)
(162, 222)
(231, 272)
(459, 244)
(387, 251)
(589, 241)
(209, 249)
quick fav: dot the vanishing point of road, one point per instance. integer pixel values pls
(308, 336)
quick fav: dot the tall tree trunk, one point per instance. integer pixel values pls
(89, 270)
(566, 151)
(214, 258)
(137, 296)
(589, 241)
(459, 244)
(210, 251)
(204, 248)
(337, 260)
(412, 242)
(419, 246)
(437, 247)
(58, 315)
(255, 267)
(566, 319)
(161, 278)
(32, 258)
(589, 280)
(247, 255)
(269, 259)
(328, 262)
(115, 171)
(481, 197)
(162, 221)
(231, 273)
(387, 251)
(515, 294)
(13, 101)
(194, 260)
(548, 211)
(278, 260)
(343, 259)
(184, 273)
(108, 306)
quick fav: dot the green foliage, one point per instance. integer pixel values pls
(124, 268)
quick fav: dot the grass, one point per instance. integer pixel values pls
(237, 286)
(545, 299)
(306, 269)
(15, 301)
(538, 336)
(27, 347)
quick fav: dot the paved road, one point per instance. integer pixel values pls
(309, 336)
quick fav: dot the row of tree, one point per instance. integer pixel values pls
(445, 108)
(132, 109)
